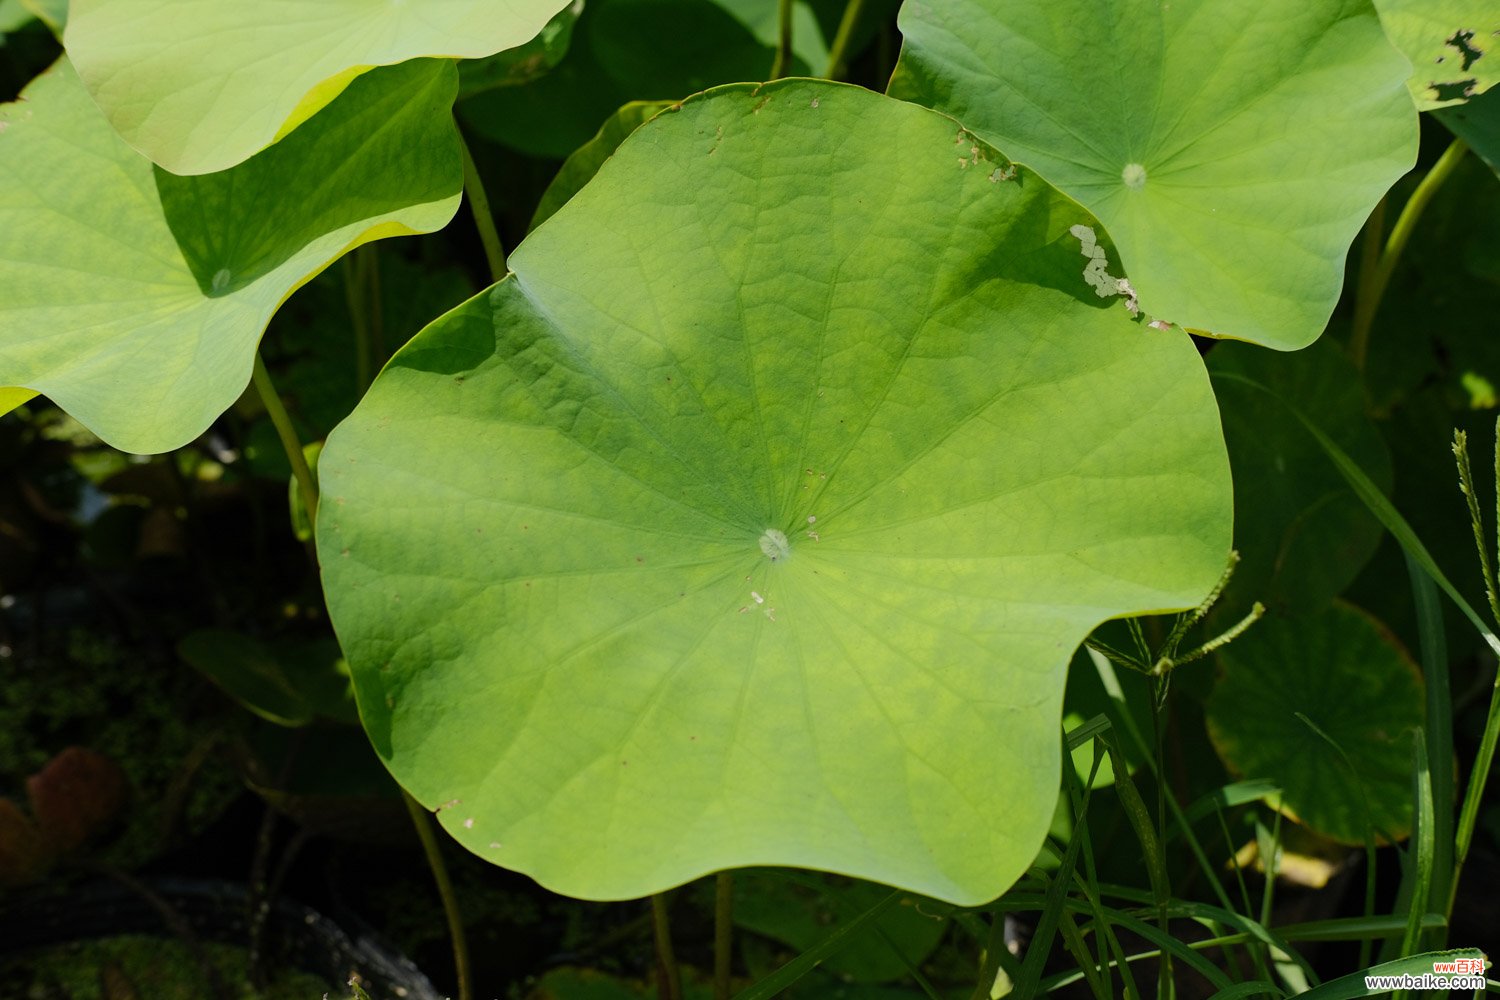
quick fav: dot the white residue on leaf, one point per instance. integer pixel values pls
(1096, 271)
(775, 545)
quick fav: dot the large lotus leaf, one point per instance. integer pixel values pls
(1324, 706)
(134, 298)
(200, 85)
(755, 517)
(1451, 45)
(1302, 534)
(1232, 150)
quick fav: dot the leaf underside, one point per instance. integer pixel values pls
(135, 298)
(201, 85)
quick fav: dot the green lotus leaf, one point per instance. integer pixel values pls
(287, 682)
(1231, 150)
(135, 298)
(754, 518)
(1302, 534)
(1451, 45)
(1323, 705)
(200, 85)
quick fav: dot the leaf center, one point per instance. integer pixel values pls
(774, 544)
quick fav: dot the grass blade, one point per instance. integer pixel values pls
(1434, 651)
(1236, 793)
(1419, 869)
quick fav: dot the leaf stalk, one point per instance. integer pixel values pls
(484, 218)
(422, 820)
(838, 54)
(1372, 291)
(783, 61)
(287, 433)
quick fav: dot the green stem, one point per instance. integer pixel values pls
(1371, 292)
(484, 219)
(783, 60)
(670, 986)
(422, 820)
(838, 55)
(362, 295)
(288, 435)
(371, 254)
(363, 367)
(723, 933)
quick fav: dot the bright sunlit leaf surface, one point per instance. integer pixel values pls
(200, 85)
(135, 298)
(1231, 150)
(755, 517)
